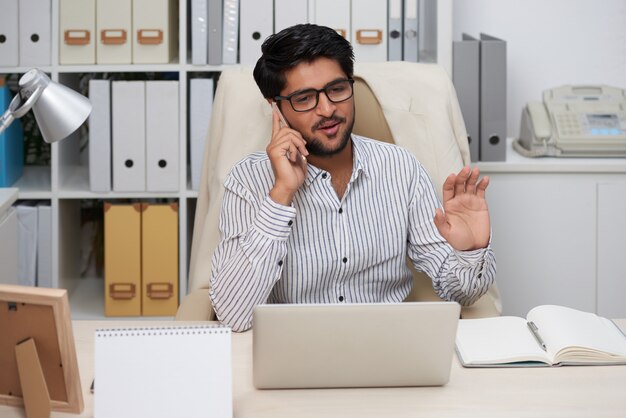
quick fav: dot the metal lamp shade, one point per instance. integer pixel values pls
(60, 111)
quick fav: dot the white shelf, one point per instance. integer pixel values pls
(35, 183)
(121, 68)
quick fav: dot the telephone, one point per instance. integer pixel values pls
(575, 121)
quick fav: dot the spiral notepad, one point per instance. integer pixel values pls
(178, 371)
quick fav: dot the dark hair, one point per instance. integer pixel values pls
(291, 46)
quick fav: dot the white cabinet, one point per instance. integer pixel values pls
(558, 228)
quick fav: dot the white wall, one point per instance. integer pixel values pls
(550, 43)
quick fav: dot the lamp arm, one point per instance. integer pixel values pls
(6, 120)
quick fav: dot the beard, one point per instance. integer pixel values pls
(317, 148)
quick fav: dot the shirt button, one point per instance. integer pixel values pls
(340, 298)
(340, 210)
(324, 175)
(280, 263)
(480, 275)
(345, 260)
(290, 223)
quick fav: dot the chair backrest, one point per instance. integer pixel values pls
(413, 105)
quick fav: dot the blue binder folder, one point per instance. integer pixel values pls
(11, 145)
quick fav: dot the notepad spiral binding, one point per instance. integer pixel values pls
(171, 331)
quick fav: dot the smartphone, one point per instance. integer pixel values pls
(283, 122)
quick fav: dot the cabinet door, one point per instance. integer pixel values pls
(611, 249)
(544, 238)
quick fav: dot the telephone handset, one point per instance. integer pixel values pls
(575, 121)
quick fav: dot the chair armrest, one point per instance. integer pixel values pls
(196, 306)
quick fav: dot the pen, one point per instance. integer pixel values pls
(535, 331)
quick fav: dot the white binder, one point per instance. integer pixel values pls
(77, 25)
(100, 136)
(290, 12)
(200, 108)
(199, 35)
(394, 30)
(162, 135)
(155, 31)
(9, 38)
(369, 31)
(129, 136)
(332, 13)
(257, 23)
(230, 37)
(27, 243)
(411, 30)
(35, 32)
(8, 248)
(113, 29)
(44, 246)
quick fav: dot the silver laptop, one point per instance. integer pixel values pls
(353, 345)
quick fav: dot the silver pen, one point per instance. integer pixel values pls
(535, 331)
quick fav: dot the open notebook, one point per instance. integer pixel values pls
(570, 337)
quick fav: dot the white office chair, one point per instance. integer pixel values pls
(413, 105)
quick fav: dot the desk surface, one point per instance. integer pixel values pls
(596, 391)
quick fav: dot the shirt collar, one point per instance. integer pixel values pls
(360, 163)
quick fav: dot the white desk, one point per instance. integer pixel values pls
(596, 391)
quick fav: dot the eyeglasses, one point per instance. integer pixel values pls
(305, 100)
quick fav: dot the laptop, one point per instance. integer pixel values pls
(353, 345)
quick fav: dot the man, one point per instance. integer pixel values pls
(324, 216)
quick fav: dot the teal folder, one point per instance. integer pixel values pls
(11, 145)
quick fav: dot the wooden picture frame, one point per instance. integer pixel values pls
(37, 352)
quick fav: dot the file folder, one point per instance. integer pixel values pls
(411, 27)
(162, 136)
(100, 136)
(256, 24)
(122, 259)
(155, 31)
(27, 215)
(35, 32)
(369, 31)
(332, 13)
(159, 259)
(230, 37)
(44, 245)
(395, 32)
(200, 108)
(466, 79)
(290, 12)
(492, 98)
(113, 28)
(199, 35)
(11, 145)
(129, 136)
(215, 29)
(9, 34)
(77, 25)
(8, 247)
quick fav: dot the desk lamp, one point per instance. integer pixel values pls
(58, 110)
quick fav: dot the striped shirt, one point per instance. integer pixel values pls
(325, 250)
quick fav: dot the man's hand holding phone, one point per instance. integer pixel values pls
(287, 153)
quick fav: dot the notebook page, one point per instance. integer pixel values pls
(179, 371)
(562, 327)
(497, 340)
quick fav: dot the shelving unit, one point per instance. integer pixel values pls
(66, 181)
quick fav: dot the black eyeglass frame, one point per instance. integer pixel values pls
(317, 94)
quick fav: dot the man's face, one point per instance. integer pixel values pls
(327, 127)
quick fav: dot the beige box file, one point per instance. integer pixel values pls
(122, 259)
(159, 259)
(155, 31)
(77, 24)
(369, 31)
(114, 32)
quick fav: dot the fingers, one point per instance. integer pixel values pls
(466, 181)
(482, 186)
(470, 185)
(461, 179)
(448, 187)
